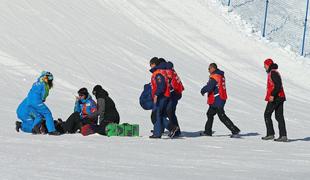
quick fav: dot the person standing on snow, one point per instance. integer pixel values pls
(217, 97)
(176, 89)
(275, 97)
(33, 109)
(160, 95)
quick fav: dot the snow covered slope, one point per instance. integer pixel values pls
(110, 42)
(285, 20)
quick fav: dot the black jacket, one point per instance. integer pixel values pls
(276, 78)
(106, 109)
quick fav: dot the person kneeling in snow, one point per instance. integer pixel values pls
(84, 107)
(33, 109)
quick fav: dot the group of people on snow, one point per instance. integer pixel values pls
(88, 117)
(161, 96)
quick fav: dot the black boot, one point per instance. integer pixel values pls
(36, 129)
(268, 137)
(54, 133)
(18, 125)
(154, 137)
(282, 139)
(173, 132)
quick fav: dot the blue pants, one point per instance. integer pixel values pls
(160, 111)
(42, 112)
(32, 115)
(171, 108)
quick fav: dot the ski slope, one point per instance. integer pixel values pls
(110, 42)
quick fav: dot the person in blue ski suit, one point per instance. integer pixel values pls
(33, 110)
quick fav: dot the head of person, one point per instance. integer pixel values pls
(267, 63)
(162, 60)
(48, 78)
(99, 91)
(83, 93)
(212, 68)
(154, 62)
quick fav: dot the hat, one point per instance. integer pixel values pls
(155, 61)
(47, 74)
(268, 62)
(83, 91)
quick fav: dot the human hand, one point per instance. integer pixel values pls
(271, 98)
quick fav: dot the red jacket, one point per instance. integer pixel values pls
(271, 85)
(154, 84)
(175, 81)
(220, 80)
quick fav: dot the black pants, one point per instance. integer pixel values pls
(171, 109)
(73, 123)
(225, 120)
(100, 129)
(276, 106)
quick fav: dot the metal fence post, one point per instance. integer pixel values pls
(305, 31)
(265, 20)
(228, 4)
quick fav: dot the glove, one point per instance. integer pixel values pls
(202, 93)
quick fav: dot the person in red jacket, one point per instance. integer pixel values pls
(160, 96)
(217, 96)
(275, 97)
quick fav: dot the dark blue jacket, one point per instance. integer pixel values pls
(146, 101)
(160, 80)
(212, 87)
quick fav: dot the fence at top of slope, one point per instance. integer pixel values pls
(281, 21)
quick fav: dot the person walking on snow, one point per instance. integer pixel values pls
(160, 95)
(176, 89)
(217, 96)
(33, 109)
(275, 97)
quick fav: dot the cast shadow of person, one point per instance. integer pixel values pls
(196, 134)
(306, 139)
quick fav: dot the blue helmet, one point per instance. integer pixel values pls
(49, 75)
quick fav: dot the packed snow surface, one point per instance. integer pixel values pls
(110, 42)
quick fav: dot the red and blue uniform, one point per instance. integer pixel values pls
(216, 89)
(176, 89)
(160, 88)
(85, 107)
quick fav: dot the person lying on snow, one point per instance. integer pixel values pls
(33, 109)
(42, 129)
